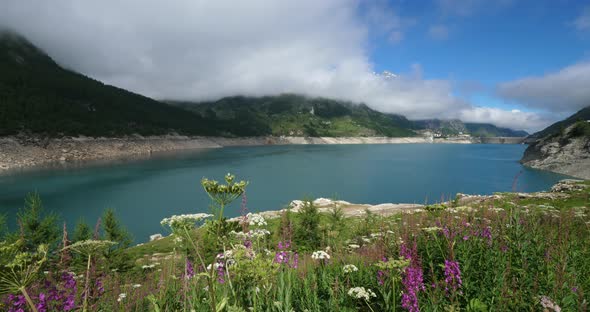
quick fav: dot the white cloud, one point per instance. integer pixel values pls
(438, 32)
(564, 90)
(515, 119)
(582, 22)
(203, 50)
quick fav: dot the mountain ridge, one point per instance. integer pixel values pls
(38, 96)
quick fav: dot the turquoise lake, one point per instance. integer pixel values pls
(144, 191)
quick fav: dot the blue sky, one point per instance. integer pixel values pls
(480, 44)
(515, 63)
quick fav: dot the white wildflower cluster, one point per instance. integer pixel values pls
(361, 293)
(228, 254)
(255, 219)
(184, 221)
(240, 234)
(354, 246)
(460, 209)
(320, 255)
(121, 297)
(177, 239)
(349, 268)
(148, 266)
(579, 212)
(253, 234)
(432, 229)
(258, 233)
(496, 209)
(549, 305)
(136, 285)
(216, 266)
(376, 235)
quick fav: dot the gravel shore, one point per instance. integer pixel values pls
(23, 152)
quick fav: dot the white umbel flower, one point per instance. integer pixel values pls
(361, 293)
(184, 220)
(349, 268)
(255, 219)
(320, 255)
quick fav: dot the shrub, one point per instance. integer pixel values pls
(307, 234)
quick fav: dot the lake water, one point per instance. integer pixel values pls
(144, 191)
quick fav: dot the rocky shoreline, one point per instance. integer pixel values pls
(463, 202)
(19, 152)
(561, 154)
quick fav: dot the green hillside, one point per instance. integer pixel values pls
(558, 127)
(297, 115)
(39, 96)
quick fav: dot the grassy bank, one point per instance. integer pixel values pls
(507, 252)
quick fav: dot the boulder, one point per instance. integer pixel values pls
(155, 237)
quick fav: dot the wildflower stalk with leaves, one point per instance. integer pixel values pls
(22, 269)
(89, 248)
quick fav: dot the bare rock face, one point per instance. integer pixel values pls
(567, 185)
(562, 153)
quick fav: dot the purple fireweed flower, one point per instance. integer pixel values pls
(99, 286)
(406, 252)
(380, 277)
(448, 233)
(244, 210)
(16, 303)
(42, 304)
(486, 233)
(220, 272)
(282, 256)
(452, 276)
(190, 271)
(413, 284)
(413, 280)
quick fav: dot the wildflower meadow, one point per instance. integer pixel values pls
(506, 252)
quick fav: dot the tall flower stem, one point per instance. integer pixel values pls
(368, 305)
(86, 284)
(225, 266)
(394, 305)
(210, 284)
(29, 301)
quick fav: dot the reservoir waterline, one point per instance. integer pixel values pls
(142, 192)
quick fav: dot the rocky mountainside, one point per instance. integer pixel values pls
(566, 151)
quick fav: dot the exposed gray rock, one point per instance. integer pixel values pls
(155, 237)
(567, 185)
(560, 153)
(25, 151)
